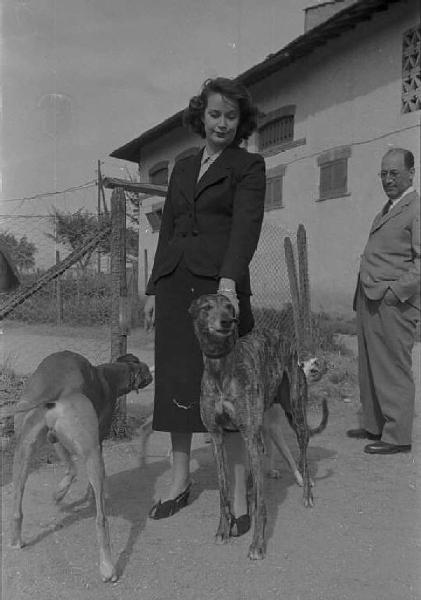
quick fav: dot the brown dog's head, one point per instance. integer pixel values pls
(139, 373)
(215, 324)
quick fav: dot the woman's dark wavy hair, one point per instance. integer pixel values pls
(228, 88)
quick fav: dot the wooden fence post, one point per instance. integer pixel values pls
(119, 325)
(59, 297)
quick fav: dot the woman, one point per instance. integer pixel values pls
(210, 228)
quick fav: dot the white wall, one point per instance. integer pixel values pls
(347, 92)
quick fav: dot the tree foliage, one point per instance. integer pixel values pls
(21, 250)
(73, 229)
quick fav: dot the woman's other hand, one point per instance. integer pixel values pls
(149, 312)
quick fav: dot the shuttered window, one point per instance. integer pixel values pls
(333, 165)
(333, 179)
(273, 197)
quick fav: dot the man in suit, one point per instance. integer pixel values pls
(387, 301)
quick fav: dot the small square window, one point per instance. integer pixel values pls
(333, 179)
(155, 217)
(273, 197)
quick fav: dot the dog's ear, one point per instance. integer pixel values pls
(128, 358)
(194, 307)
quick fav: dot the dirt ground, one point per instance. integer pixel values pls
(361, 540)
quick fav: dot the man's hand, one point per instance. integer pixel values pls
(149, 312)
(390, 298)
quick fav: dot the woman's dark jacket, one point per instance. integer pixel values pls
(215, 223)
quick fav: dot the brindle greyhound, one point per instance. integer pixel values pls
(242, 378)
(71, 402)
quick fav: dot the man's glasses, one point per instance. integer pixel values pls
(392, 174)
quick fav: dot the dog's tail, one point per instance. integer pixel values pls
(325, 417)
(24, 406)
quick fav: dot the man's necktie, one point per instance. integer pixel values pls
(387, 207)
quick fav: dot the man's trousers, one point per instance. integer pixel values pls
(387, 392)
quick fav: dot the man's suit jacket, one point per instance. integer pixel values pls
(213, 224)
(392, 256)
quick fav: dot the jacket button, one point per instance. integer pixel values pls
(184, 235)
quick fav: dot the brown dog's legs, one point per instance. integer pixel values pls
(76, 427)
(254, 444)
(96, 475)
(222, 534)
(29, 429)
(70, 473)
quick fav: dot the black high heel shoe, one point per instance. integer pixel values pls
(240, 525)
(162, 510)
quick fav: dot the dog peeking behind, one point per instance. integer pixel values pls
(242, 379)
(71, 403)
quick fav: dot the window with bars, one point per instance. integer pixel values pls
(155, 217)
(334, 173)
(276, 128)
(158, 174)
(276, 132)
(411, 70)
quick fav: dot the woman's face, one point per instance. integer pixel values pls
(220, 119)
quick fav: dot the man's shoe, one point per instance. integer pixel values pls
(385, 448)
(363, 434)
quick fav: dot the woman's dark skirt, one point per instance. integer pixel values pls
(178, 358)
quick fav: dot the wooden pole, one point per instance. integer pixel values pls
(99, 215)
(119, 313)
(59, 297)
(146, 267)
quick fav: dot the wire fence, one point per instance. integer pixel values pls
(271, 297)
(72, 311)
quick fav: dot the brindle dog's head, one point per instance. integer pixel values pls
(215, 324)
(139, 373)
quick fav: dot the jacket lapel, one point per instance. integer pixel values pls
(217, 171)
(381, 219)
(188, 176)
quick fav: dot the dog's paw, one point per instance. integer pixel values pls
(256, 552)
(108, 572)
(16, 543)
(222, 538)
(308, 499)
(299, 478)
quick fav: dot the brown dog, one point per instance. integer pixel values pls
(71, 402)
(242, 379)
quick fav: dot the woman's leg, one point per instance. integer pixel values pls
(181, 446)
(238, 472)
